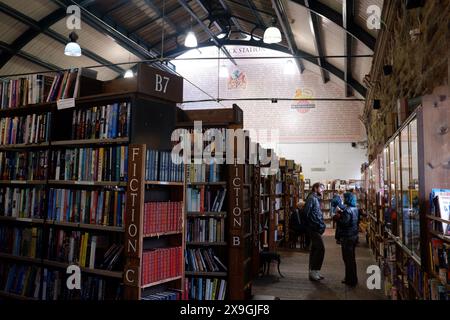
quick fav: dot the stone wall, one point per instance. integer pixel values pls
(419, 64)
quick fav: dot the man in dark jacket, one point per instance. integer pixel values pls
(347, 217)
(315, 227)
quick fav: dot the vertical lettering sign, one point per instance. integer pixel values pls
(236, 199)
(133, 219)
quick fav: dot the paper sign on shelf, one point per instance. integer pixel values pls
(65, 103)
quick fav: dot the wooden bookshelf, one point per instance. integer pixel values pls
(205, 274)
(146, 107)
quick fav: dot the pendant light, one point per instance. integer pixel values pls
(272, 34)
(129, 73)
(223, 72)
(73, 49)
(191, 39)
(289, 67)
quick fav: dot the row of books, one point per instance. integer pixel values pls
(440, 259)
(93, 288)
(28, 129)
(24, 242)
(161, 263)
(279, 188)
(205, 230)
(206, 288)
(23, 280)
(31, 89)
(204, 172)
(162, 295)
(84, 249)
(90, 164)
(203, 260)
(160, 167)
(201, 199)
(22, 202)
(160, 217)
(105, 122)
(28, 165)
(66, 85)
(105, 207)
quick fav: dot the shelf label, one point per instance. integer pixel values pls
(90, 183)
(18, 181)
(65, 103)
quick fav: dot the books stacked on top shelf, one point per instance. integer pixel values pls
(205, 230)
(27, 165)
(203, 260)
(90, 164)
(85, 206)
(22, 202)
(84, 249)
(201, 199)
(24, 242)
(160, 167)
(104, 122)
(22, 280)
(20, 92)
(204, 173)
(206, 288)
(33, 128)
(160, 217)
(162, 295)
(66, 85)
(160, 264)
(93, 288)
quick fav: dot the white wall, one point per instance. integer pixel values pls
(340, 160)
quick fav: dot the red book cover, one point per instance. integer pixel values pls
(150, 215)
(202, 199)
(166, 213)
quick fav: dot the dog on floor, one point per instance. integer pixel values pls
(266, 259)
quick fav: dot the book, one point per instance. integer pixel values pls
(440, 207)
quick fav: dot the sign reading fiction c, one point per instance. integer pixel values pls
(133, 214)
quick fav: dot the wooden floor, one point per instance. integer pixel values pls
(297, 286)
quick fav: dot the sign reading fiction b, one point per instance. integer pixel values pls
(133, 219)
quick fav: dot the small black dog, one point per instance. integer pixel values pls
(266, 258)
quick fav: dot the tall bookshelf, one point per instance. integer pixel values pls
(233, 279)
(404, 228)
(267, 187)
(81, 173)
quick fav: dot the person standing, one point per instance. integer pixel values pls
(315, 228)
(335, 202)
(347, 219)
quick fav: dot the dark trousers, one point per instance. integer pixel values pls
(348, 255)
(317, 252)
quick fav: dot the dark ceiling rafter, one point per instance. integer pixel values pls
(325, 11)
(205, 28)
(348, 18)
(233, 19)
(6, 48)
(117, 6)
(17, 45)
(149, 22)
(256, 13)
(163, 16)
(287, 31)
(314, 23)
(105, 24)
(259, 11)
(50, 33)
(306, 56)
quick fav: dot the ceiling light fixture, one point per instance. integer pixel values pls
(191, 40)
(73, 49)
(289, 67)
(272, 34)
(128, 74)
(223, 72)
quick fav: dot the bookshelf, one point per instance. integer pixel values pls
(77, 186)
(217, 200)
(403, 232)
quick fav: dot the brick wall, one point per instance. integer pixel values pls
(419, 65)
(327, 122)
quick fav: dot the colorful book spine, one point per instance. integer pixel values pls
(30, 165)
(22, 202)
(162, 217)
(160, 264)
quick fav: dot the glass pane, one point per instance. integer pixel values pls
(406, 200)
(398, 189)
(414, 189)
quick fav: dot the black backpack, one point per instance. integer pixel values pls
(297, 221)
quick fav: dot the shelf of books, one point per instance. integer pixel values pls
(65, 153)
(257, 209)
(218, 207)
(408, 205)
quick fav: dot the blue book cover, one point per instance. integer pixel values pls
(51, 207)
(100, 208)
